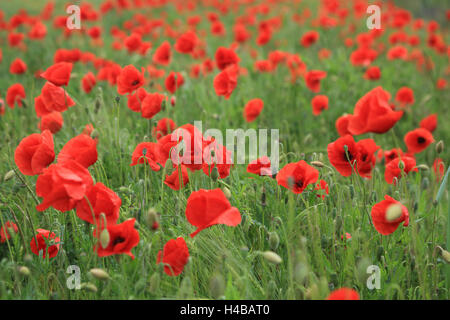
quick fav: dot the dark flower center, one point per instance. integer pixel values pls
(135, 82)
(299, 183)
(118, 240)
(421, 140)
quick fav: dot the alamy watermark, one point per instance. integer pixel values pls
(374, 20)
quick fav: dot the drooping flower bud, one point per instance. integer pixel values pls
(272, 257)
(99, 274)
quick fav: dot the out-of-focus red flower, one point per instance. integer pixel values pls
(34, 153)
(393, 170)
(206, 208)
(163, 54)
(17, 66)
(58, 74)
(342, 124)
(163, 127)
(15, 94)
(381, 221)
(39, 243)
(174, 256)
(88, 82)
(372, 73)
(319, 103)
(322, 187)
(174, 81)
(52, 121)
(252, 109)
(405, 96)
(309, 38)
(260, 166)
(439, 168)
(186, 42)
(343, 294)
(225, 82)
(52, 98)
(81, 148)
(151, 105)
(429, 123)
(6, 230)
(313, 78)
(129, 79)
(225, 57)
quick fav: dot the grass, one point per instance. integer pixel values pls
(315, 260)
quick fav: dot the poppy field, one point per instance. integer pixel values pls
(117, 182)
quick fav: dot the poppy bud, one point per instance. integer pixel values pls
(104, 238)
(173, 101)
(312, 293)
(94, 134)
(401, 165)
(445, 254)
(117, 99)
(89, 286)
(374, 196)
(227, 192)
(274, 240)
(217, 286)
(151, 219)
(317, 164)
(361, 269)
(272, 257)
(439, 146)
(338, 223)
(301, 272)
(155, 280)
(168, 163)
(9, 175)
(99, 274)
(24, 271)
(28, 258)
(423, 167)
(393, 212)
(215, 174)
(351, 188)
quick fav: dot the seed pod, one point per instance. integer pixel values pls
(317, 164)
(272, 257)
(24, 271)
(104, 238)
(217, 286)
(393, 212)
(274, 240)
(155, 280)
(99, 274)
(9, 175)
(439, 146)
(89, 286)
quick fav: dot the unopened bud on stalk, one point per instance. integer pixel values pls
(274, 240)
(393, 212)
(423, 167)
(9, 175)
(317, 164)
(272, 257)
(401, 165)
(94, 134)
(104, 238)
(99, 274)
(151, 219)
(24, 271)
(226, 192)
(89, 286)
(439, 146)
(215, 174)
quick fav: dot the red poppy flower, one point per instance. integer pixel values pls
(133, 42)
(372, 73)
(206, 208)
(134, 100)
(216, 155)
(429, 123)
(373, 113)
(175, 256)
(163, 127)
(147, 152)
(41, 242)
(225, 82)
(122, 238)
(441, 83)
(174, 81)
(6, 230)
(101, 200)
(313, 78)
(52, 121)
(62, 185)
(38, 31)
(261, 166)
(309, 38)
(363, 56)
(393, 170)
(17, 66)
(15, 94)
(173, 180)
(162, 55)
(82, 149)
(88, 82)
(365, 159)
(217, 28)
(397, 52)
(186, 42)
(129, 79)
(405, 95)
(297, 176)
(342, 125)
(390, 155)
(34, 153)
(439, 168)
(343, 294)
(319, 103)
(418, 140)
(58, 74)
(322, 187)
(252, 109)
(52, 98)
(226, 57)
(151, 105)
(339, 158)
(380, 219)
